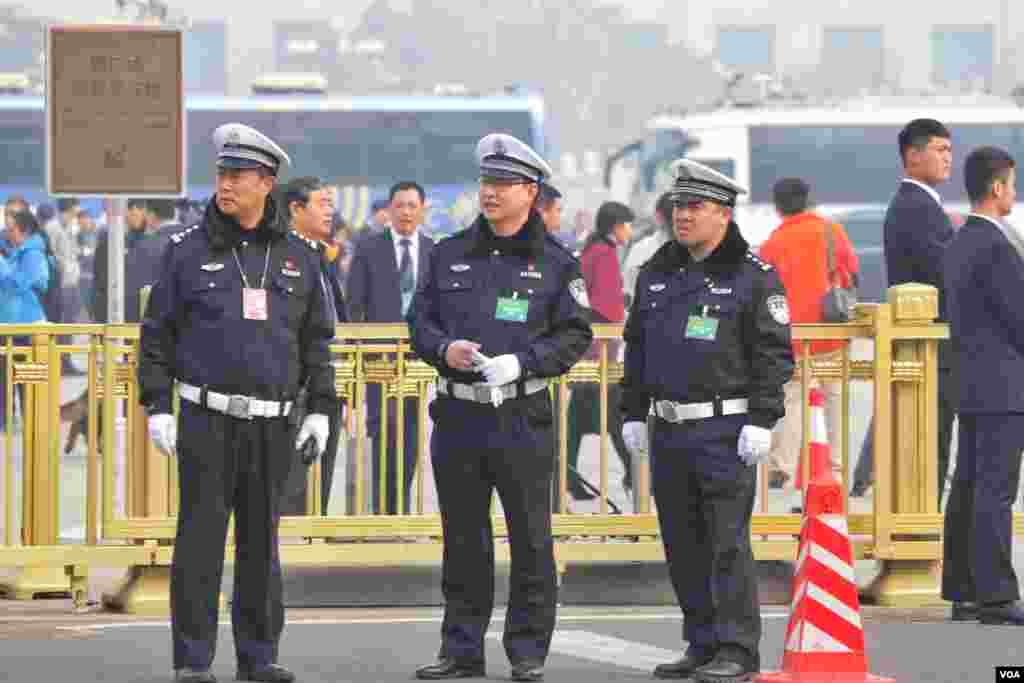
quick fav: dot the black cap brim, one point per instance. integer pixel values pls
(241, 164)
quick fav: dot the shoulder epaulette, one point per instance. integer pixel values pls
(312, 244)
(753, 258)
(548, 237)
(179, 237)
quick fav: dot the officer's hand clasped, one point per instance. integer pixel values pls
(754, 444)
(315, 425)
(501, 370)
(163, 430)
(460, 355)
(634, 434)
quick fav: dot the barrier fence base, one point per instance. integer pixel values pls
(906, 583)
(37, 582)
(145, 590)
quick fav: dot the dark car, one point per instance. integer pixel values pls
(864, 228)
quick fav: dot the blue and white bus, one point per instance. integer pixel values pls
(362, 144)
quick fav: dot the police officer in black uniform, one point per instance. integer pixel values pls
(237, 321)
(708, 351)
(502, 309)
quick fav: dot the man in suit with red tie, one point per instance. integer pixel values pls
(385, 271)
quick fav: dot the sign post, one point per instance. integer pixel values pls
(115, 120)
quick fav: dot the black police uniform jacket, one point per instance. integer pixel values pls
(471, 270)
(750, 357)
(194, 330)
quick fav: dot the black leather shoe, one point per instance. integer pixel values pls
(271, 673)
(723, 671)
(193, 676)
(529, 670)
(1011, 613)
(681, 668)
(964, 611)
(448, 667)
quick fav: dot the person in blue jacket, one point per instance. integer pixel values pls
(24, 277)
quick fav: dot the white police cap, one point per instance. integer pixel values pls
(239, 146)
(696, 181)
(508, 158)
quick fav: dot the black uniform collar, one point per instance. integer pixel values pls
(528, 243)
(729, 255)
(224, 232)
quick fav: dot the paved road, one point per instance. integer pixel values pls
(599, 644)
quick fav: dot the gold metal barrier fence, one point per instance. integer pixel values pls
(125, 492)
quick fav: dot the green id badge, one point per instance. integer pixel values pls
(701, 327)
(512, 310)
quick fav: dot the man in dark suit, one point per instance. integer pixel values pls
(311, 213)
(385, 271)
(984, 275)
(917, 231)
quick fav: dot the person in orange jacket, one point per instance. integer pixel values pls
(797, 249)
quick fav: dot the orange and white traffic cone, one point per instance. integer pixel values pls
(825, 636)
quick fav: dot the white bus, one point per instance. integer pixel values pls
(847, 153)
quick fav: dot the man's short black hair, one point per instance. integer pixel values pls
(984, 166)
(67, 204)
(136, 203)
(407, 185)
(918, 133)
(161, 208)
(547, 196)
(791, 196)
(299, 189)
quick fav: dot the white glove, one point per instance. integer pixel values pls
(163, 430)
(501, 370)
(634, 433)
(315, 425)
(754, 444)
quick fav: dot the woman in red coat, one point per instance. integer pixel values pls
(603, 276)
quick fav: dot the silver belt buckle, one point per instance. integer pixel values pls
(238, 406)
(482, 393)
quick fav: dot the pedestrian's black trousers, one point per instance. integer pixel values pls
(705, 499)
(476, 449)
(228, 465)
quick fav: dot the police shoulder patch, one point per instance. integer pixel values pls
(179, 237)
(778, 308)
(578, 290)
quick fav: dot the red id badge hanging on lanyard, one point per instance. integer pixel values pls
(254, 304)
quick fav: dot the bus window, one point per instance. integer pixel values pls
(856, 164)
(22, 139)
(842, 164)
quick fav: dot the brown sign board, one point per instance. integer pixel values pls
(114, 111)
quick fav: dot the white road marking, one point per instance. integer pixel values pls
(604, 649)
(497, 618)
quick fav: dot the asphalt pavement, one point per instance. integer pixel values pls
(591, 644)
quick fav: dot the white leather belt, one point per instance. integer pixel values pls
(671, 411)
(482, 393)
(235, 405)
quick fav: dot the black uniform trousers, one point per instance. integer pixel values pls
(227, 465)
(978, 564)
(410, 452)
(705, 497)
(476, 449)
